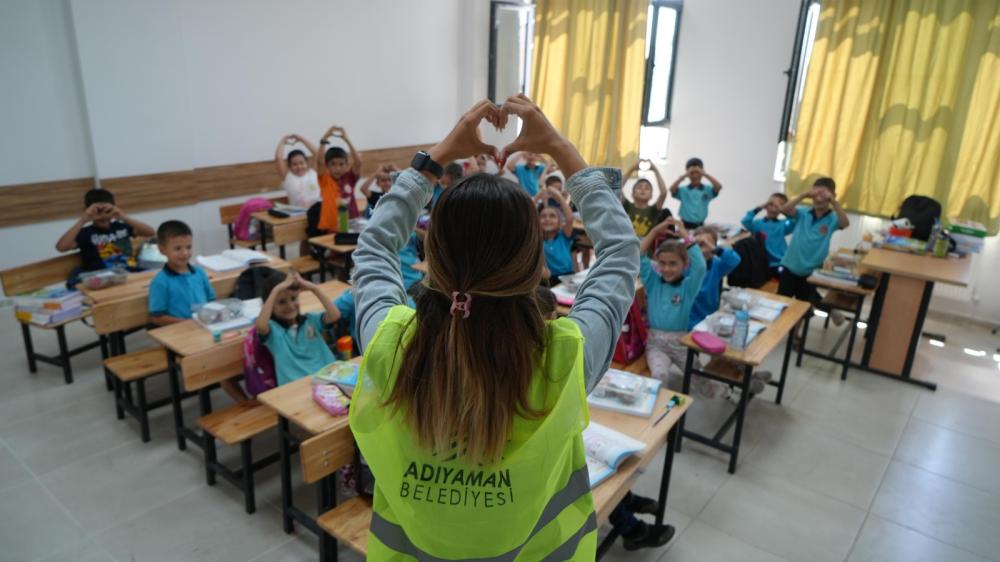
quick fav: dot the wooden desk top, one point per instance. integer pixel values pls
(326, 241)
(607, 494)
(188, 337)
(953, 271)
(137, 284)
(769, 338)
(263, 216)
(294, 401)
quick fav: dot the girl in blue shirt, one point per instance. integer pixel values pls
(557, 236)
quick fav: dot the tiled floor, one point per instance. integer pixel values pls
(863, 470)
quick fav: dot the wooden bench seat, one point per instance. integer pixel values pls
(725, 369)
(239, 422)
(839, 300)
(349, 523)
(305, 265)
(138, 364)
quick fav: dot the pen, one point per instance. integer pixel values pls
(674, 401)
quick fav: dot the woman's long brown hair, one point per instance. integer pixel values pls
(462, 381)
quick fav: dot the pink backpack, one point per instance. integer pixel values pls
(245, 228)
(258, 365)
(632, 343)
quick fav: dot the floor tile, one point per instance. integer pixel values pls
(960, 412)
(111, 487)
(12, 471)
(700, 542)
(33, 525)
(783, 518)
(803, 453)
(304, 546)
(940, 508)
(885, 541)
(199, 526)
(87, 551)
(695, 478)
(958, 456)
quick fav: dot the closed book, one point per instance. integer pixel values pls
(45, 319)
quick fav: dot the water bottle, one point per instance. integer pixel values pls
(343, 217)
(935, 232)
(741, 328)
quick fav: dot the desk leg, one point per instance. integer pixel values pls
(668, 464)
(281, 251)
(805, 332)
(744, 400)
(262, 232)
(321, 258)
(327, 488)
(64, 354)
(685, 389)
(850, 340)
(784, 367)
(175, 399)
(285, 454)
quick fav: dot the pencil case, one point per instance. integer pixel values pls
(709, 342)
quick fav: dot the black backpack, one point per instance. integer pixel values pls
(753, 271)
(922, 212)
(250, 284)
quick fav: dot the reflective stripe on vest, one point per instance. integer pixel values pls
(535, 505)
(394, 536)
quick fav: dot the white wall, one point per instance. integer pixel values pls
(43, 132)
(180, 84)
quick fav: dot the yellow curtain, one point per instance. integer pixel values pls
(902, 97)
(588, 74)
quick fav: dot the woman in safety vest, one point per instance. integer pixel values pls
(470, 409)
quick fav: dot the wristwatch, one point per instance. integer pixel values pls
(422, 162)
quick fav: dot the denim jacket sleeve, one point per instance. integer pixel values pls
(607, 292)
(377, 278)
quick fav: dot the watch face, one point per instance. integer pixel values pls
(420, 160)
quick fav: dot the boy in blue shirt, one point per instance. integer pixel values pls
(719, 262)
(557, 237)
(180, 286)
(670, 294)
(775, 229)
(529, 173)
(811, 236)
(695, 195)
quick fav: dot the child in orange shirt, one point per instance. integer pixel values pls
(338, 176)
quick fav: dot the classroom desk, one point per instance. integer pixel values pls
(125, 307)
(282, 230)
(663, 435)
(735, 367)
(842, 295)
(325, 243)
(188, 338)
(900, 306)
(294, 404)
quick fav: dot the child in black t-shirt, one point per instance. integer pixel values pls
(640, 211)
(103, 234)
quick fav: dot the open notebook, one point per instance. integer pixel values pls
(606, 449)
(230, 260)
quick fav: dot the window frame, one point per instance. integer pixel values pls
(794, 70)
(491, 85)
(678, 6)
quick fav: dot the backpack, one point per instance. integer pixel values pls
(258, 365)
(753, 271)
(245, 228)
(250, 283)
(632, 343)
(922, 212)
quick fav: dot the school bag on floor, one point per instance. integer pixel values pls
(245, 228)
(258, 365)
(632, 342)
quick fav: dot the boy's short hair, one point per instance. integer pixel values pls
(295, 153)
(553, 179)
(642, 181)
(828, 183)
(709, 231)
(673, 246)
(97, 196)
(694, 162)
(172, 229)
(780, 195)
(453, 169)
(334, 152)
(546, 301)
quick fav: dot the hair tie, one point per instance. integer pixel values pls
(465, 306)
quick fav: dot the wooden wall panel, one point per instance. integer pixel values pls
(45, 201)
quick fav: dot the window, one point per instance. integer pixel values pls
(662, 25)
(661, 54)
(512, 29)
(805, 36)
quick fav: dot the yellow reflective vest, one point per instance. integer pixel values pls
(534, 505)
